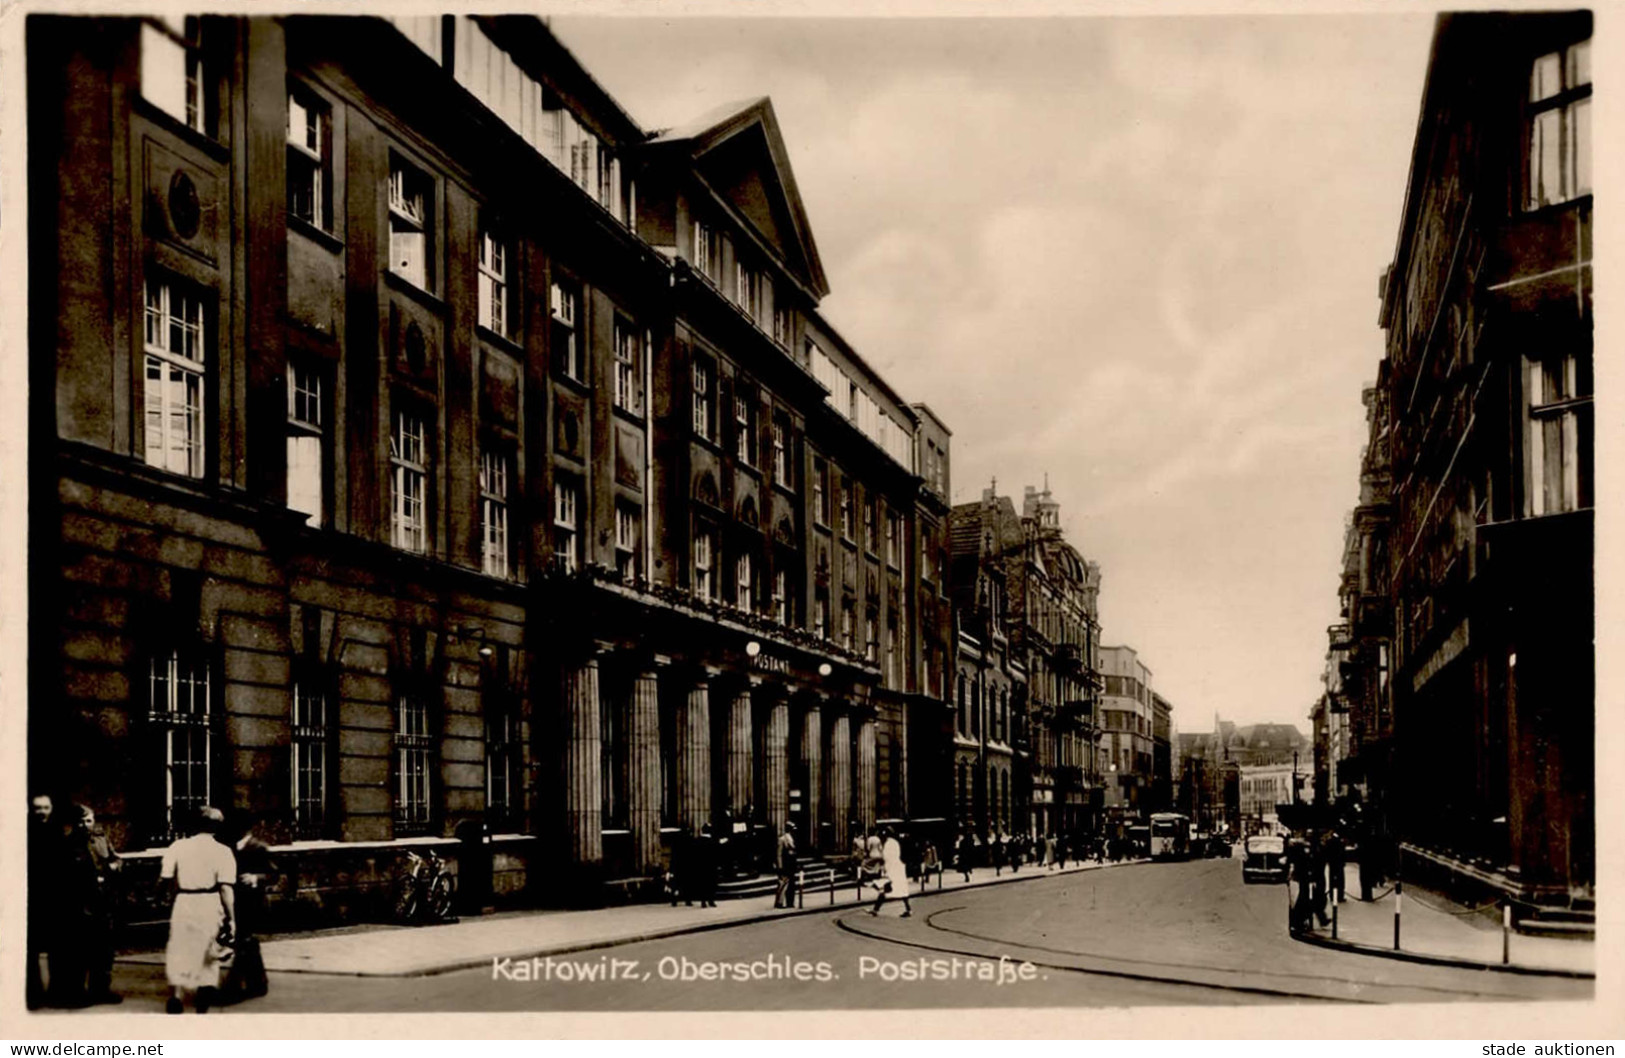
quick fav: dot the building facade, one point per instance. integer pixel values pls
(1264, 788)
(434, 452)
(1487, 385)
(1126, 756)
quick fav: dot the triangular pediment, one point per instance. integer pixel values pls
(739, 153)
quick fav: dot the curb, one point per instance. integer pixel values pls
(1402, 955)
(765, 915)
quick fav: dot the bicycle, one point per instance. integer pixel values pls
(424, 893)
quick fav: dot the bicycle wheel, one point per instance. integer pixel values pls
(408, 900)
(439, 902)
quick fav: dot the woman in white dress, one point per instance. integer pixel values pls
(204, 872)
(894, 875)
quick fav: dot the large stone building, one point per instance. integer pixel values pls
(1487, 389)
(1126, 757)
(1053, 628)
(421, 447)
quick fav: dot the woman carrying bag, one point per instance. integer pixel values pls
(203, 919)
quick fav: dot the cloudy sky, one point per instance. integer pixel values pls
(1139, 255)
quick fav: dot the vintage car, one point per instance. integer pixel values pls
(1264, 859)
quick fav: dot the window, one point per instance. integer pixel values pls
(821, 614)
(408, 457)
(745, 582)
(414, 750)
(705, 577)
(628, 390)
(173, 76)
(609, 180)
(871, 637)
(744, 426)
(564, 301)
(306, 444)
(410, 194)
(502, 746)
(1559, 132)
(894, 539)
(176, 356)
(894, 656)
(848, 526)
(309, 145)
(781, 452)
(493, 284)
(849, 622)
(871, 529)
(1560, 434)
(821, 491)
(705, 398)
(566, 529)
(781, 596)
(309, 740)
(707, 251)
(783, 321)
(748, 284)
(179, 703)
(494, 467)
(628, 534)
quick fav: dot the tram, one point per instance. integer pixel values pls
(1170, 836)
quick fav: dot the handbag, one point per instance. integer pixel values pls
(222, 949)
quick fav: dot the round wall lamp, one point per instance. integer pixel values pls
(753, 648)
(825, 669)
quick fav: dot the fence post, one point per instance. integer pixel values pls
(1506, 932)
(1399, 896)
(1334, 919)
(801, 889)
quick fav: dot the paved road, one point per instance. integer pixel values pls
(1179, 933)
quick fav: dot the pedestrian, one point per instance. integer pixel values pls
(44, 858)
(962, 855)
(203, 920)
(1317, 878)
(1336, 862)
(929, 865)
(703, 861)
(894, 877)
(99, 922)
(995, 852)
(245, 977)
(1370, 860)
(1297, 861)
(785, 863)
(1013, 852)
(1060, 852)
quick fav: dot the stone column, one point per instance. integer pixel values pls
(694, 755)
(838, 771)
(865, 808)
(812, 755)
(739, 766)
(583, 784)
(777, 751)
(643, 770)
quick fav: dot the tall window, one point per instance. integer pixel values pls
(745, 582)
(707, 251)
(628, 534)
(414, 752)
(410, 194)
(963, 714)
(566, 528)
(1560, 433)
(493, 284)
(176, 359)
(783, 321)
(179, 703)
(849, 620)
(306, 444)
(705, 574)
(173, 75)
(494, 467)
(310, 196)
(894, 539)
(871, 636)
(821, 613)
(748, 285)
(408, 455)
(781, 595)
(821, 491)
(1559, 126)
(309, 740)
(744, 426)
(628, 388)
(502, 745)
(705, 398)
(848, 526)
(893, 654)
(871, 528)
(564, 300)
(781, 452)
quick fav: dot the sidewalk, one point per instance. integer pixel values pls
(403, 951)
(1433, 929)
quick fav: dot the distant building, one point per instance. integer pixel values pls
(1162, 754)
(1126, 757)
(1265, 787)
(1487, 389)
